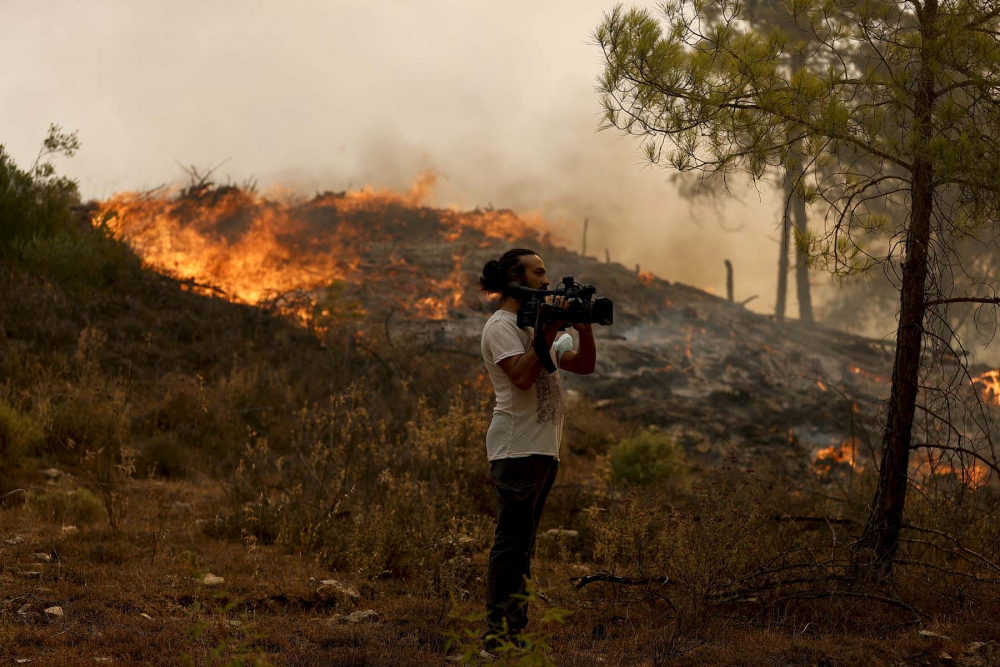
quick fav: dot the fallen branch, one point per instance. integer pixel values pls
(615, 579)
(815, 519)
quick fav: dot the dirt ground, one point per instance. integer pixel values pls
(149, 596)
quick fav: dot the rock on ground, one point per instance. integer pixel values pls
(368, 615)
(333, 588)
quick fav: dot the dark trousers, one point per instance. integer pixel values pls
(521, 486)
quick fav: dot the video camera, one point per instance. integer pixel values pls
(581, 308)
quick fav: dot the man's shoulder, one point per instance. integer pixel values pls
(502, 319)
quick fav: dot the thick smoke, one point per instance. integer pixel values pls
(498, 100)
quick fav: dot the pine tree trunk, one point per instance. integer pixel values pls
(779, 307)
(802, 262)
(798, 205)
(886, 518)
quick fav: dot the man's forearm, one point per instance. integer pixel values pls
(586, 354)
(529, 366)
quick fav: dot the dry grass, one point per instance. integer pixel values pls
(269, 606)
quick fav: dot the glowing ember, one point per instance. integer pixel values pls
(874, 377)
(821, 385)
(989, 386)
(646, 277)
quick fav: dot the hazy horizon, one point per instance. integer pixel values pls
(499, 101)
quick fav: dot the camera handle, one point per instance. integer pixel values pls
(539, 344)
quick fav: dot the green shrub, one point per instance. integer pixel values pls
(38, 229)
(648, 457)
(20, 435)
(36, 202)
(78, 257)
(69, 507)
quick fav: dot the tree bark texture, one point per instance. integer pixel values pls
(802, 261)
(801, 222)
(729, 281)
(779, 307)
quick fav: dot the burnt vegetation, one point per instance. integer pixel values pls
(231, 426)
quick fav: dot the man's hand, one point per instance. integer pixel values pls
(551, 329)
(582, 360)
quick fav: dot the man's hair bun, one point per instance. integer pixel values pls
(497, 273)
(492, 279)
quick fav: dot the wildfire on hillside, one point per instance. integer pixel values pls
(255, 249)
(989, 386)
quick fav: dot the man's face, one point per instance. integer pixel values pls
(535, 276)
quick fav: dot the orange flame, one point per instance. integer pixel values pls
(935, 464)
(874, 377)
(646, 277)
(453, 287)
(255, 249)
(829, 458)
(229, 239)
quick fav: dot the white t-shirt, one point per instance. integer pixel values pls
(525, 422)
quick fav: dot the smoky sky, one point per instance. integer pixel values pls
(496, 98)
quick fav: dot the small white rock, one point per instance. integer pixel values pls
(332, 585)
(54, 612)
(927, 634)
(69, 530)
(358, 617)
(31, 574)
(146, 616)
(21, 661)
(51, 473)
(17, 539)
(212, 580)
(42, 558)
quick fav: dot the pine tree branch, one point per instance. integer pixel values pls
(985, 299)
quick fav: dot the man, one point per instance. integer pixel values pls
(523, 440)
